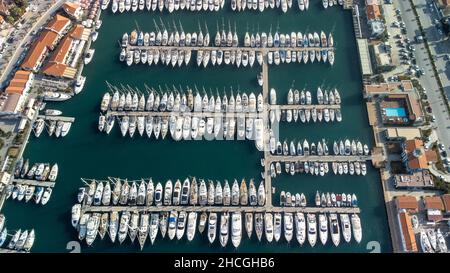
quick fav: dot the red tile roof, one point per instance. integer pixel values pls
(54, 69)
(61, 52)
(58, 24)
(373, 12)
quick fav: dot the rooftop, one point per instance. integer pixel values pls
(58, 24)
(54, 69)
(446, 201)
(407, 202)
(408, 232)
(403, 132)
(373, 12)
(416, 155)
(364, 55)
(77, 32)
(389, 87)
(61, 52)
(421, 179)
(433, 202)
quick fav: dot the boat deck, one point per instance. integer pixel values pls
(34, 183)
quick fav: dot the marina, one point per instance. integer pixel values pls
(100, 156)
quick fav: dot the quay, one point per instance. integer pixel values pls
(264, 50)
(255, 209)
(319, 158)
(305, 106)
(57, 118)
(34, 183)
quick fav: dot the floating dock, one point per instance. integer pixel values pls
(264, 50)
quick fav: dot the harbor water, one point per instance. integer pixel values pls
(87, 153)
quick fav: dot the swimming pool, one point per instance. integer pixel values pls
(395, 112)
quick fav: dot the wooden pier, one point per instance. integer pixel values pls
(318, 158)
(36, 183)
(262, 209)
(57, 118)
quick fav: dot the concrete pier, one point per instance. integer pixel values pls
(57, 118)
(34, 183)
(304, 107)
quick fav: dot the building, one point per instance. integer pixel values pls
(446, 201)
(59, 24)
(63, 61)
(421, 180)
(47, 41)
(376, 28)
(403, 133)
(415, 157)
(373, 13)
(407, 203)
(434, 207)
(17, 92)
(386, 88)
(408, 237)
(73, 10)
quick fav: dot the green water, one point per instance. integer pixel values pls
(87, 153)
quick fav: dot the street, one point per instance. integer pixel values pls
(428, 81)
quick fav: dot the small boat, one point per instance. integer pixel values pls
(268, 224)
(224, 228)
(356, 227)
(236, 229)
(249, 224)
(323, 228)
(277, 226)
(300, 226)
(334, 229)
(212, 226)
(312, 229)
(181, 224)
(288, 226)
(143, 229)
(346, 228)
(191, 225)
(202, 222)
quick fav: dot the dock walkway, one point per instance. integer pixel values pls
(319, 158)
(264, 50)
(57, 118)
(34, 183)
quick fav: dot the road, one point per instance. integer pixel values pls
(27, 37)
(428, 81)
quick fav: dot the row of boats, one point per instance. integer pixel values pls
(38, 171)
(223, 38)
(319, 168)
(306, 115)
(303, 97)
(202, 5)
(57, 128)
(19, 192)
(284, 5)
(322, 200)
(189, 128)
(433, 241)
(231, 226)
(175, 101)
(177, 57)
(341, 147)
(330, 3)
(188, 192)
(20, 241)
(168, 5)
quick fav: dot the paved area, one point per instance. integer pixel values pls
(428, 81)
